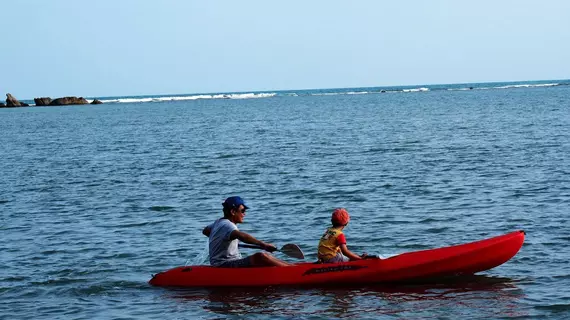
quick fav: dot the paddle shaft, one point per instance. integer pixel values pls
(290, 249)
(252, 246)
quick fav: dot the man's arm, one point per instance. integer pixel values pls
(206, 231)
(247, 238)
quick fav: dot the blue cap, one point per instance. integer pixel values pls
(234, 202)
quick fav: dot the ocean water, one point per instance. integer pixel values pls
(95, 199)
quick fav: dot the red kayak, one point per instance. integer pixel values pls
(463, 259)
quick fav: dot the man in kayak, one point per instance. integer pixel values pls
(332, 246)
(224, 236)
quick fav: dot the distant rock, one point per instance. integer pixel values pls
(68, 101)
(96, 102)
(2, 105)
(23, 104)
(45, 101)
(11, 101)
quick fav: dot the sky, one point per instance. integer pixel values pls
(104, 48)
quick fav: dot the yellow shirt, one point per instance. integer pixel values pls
(329, 245)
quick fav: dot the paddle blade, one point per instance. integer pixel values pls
(293, 251)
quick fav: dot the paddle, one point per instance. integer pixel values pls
(290, 249)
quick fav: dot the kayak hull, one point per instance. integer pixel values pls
(457, 260)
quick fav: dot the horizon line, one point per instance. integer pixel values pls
(301, 89)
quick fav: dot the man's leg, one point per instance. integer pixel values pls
(263, 259)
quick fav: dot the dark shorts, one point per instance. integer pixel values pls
(240, 263)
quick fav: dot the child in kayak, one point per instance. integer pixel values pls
(223, 237)
(332, 247)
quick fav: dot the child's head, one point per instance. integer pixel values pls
(340, 217)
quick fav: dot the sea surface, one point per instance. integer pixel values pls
(95, 199)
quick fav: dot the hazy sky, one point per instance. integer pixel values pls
(136, 47)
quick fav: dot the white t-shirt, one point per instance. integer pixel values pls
(221, 248)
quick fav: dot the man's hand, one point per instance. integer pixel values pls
(269, 247)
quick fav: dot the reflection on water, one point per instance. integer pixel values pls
(474, 296)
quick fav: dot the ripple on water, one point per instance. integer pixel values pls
(162, 208)
(554, 308)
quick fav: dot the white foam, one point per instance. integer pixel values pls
(257, 95)
(192, 97)
(528, 85)
(127, 100)
(250, 95)
(416, 90)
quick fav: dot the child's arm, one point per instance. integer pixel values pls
(349, 253)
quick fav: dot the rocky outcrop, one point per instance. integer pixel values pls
(68, 101)
(45, 101)
(11, 101)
